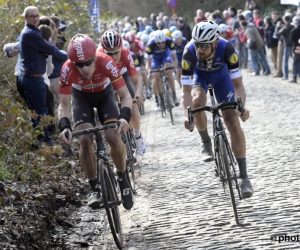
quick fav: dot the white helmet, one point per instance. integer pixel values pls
(206, 32)
(126, 44)
(139, 35)
(159, 36)
(223, 27)
(177, 34)
(145, 38)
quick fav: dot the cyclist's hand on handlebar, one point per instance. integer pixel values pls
(187, 124)
(123, 127)
(64, 139)
(139, 99)
(246, 115)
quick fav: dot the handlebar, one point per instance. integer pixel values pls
(222, 106)
(161, 69)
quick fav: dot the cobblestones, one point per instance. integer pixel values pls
(180, 204)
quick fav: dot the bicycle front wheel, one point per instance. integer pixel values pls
(169, 103)
(227, 174)
(111, 202)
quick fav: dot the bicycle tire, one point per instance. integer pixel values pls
(129, 163)
(227, 172)
(168, 96)
(110, 202)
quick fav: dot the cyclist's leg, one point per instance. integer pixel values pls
(108, 112)
(179, 70)
(135, 117)
(199, 99)
(238, 142)
(87, 158)
(167, 62)
(156, 80)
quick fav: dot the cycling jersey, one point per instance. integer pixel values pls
(179, 51)
(139, 48)
(218, 72)
(106, 72)
(160, 56)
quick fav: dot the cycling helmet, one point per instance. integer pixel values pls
(177, 34)
(159, 36)
(130, 37)
(110, 40)
(223, 27)
(173, 28)
(167, 33)
(81, 48)
(138, 35)
(148, 28)
(145, 38)
(126, 44)
(206, 32)
(125, 30)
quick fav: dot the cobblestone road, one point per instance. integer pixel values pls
(181, 205)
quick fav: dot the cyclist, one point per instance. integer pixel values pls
(126, 45)
(180, 43)
(210, 59)
(160, 50)
(111, 44)
(91, 80)
(138, 48)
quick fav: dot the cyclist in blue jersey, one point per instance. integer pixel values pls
(210, 59)
(160, 52)
(180, 43)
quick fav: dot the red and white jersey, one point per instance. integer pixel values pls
(126, 62)
(139, 48)
(106, 73)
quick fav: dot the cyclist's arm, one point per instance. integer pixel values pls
(148, 64)
(136, 84)
(174, 58)
(239, 89)
(64, 106)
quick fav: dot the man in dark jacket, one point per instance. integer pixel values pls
(294, 37)
(271, 42)
(284, 32)
(184, 28)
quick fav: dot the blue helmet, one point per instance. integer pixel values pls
(148, 28)
(173, 28)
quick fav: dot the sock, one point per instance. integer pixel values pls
(204, 135)
(156, 98)
(121, 175)
(137, 134)
(93, 183)
(242, 166)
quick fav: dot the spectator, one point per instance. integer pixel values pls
(294, 37)
(153, 21)
(199, 16)
(33, 51)
(278, 24)
(271, 42)
(243, 50)
(167, 22)
(226, 17)
(288, 45)
(184, 28)
(251, 5)
(233, 16)
(139, 24)
(159, 25)
(216, 17)
(255, 44)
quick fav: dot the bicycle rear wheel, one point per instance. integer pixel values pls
(227, 174)
(110, 201)
(130, 162)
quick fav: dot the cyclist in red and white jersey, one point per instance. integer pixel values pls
(138, 48)
(111, 44)
(91, 81)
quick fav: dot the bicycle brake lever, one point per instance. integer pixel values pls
(190, 116)
(240, 106)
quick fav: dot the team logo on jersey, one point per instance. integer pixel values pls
(148, 50)
(186, 65)
(136, 62)
(234, 58)
(172, 45)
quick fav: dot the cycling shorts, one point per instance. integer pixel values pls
(141, 60)
(223, 86)
(83, 104)
(162, 59)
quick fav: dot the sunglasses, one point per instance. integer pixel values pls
(131, 42)
(86, 63)
(112, 53)
(160, 43)
(202, 46)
